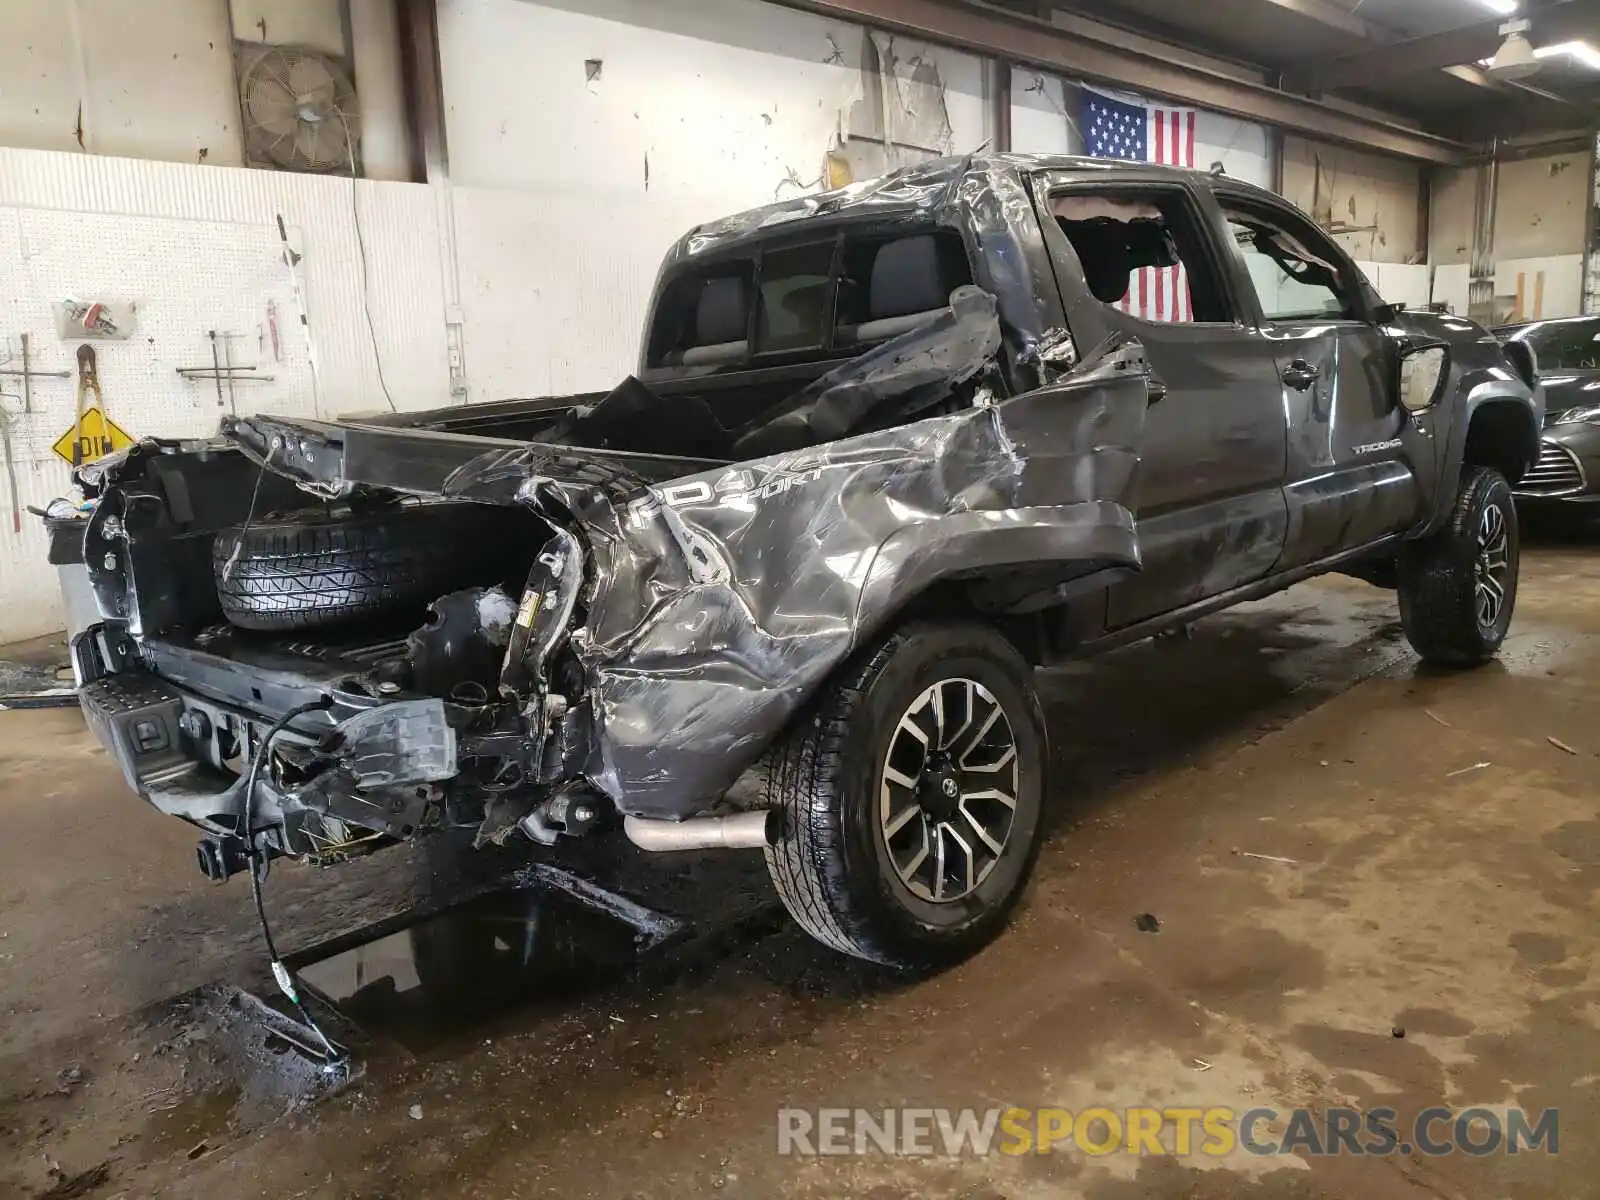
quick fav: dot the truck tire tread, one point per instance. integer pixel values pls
(310, 570)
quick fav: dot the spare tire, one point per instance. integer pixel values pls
(313, 568)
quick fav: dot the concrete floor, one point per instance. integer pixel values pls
(1452, 900)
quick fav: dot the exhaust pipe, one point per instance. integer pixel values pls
(741, 831)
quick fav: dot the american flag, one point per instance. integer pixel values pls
(1130, 129)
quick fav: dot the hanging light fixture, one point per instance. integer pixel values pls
(1515, 59)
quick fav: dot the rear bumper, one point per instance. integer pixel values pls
(188, 755)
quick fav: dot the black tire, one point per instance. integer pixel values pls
(832, 865)
(313, 569)
(1439, 577)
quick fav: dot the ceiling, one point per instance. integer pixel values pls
(1417, 59)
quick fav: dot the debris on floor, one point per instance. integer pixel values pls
(67, 1187)
(31, 685)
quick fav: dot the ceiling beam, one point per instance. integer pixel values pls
(1562, 21)
(1080, 55)
(1325, 12)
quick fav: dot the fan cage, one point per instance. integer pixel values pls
(272, 81)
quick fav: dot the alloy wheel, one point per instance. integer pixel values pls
(948, 790)
(1492, 566)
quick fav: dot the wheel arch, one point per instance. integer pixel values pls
(1502, 433)
(994, 566)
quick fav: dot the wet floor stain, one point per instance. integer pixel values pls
(1539, 949)
(444, 977)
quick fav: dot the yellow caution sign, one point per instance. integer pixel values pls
(93, 436)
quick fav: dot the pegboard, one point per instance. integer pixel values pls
(187, 277)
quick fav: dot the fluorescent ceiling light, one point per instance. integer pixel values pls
(1504, 7)
(1581, 52)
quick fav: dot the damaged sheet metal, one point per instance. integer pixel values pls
(458, 651)
(407, 742)
(898, 380)
(720, 601)
(715, 598)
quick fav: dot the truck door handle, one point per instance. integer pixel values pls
(1300, 374)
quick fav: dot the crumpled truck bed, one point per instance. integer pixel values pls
(719, 601)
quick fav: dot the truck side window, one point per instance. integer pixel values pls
(1293, 280)
(1142, 254)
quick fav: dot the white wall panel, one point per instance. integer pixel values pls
(1400, 283)
(549, 308)
(1546, 287)
(734, 102)
(1373, 198)
(568, 190)
(722, 100)
(313, 23)
(156, 80)
(152, 80)
(1542, 207)
(1452, 286)
(1243, 148)
(1405, 283)
(1043, 119)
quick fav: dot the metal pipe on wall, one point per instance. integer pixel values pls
(1590, 302)
(1486, 200)
(1000, 102)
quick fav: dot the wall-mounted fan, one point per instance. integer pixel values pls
(300, 111)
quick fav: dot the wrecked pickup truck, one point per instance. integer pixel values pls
(886, 449)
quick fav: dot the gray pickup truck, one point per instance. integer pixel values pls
(887, 449)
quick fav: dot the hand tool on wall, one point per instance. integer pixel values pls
(223, 368)
(216, 365)
(88, 381)
(28, 374)
(11, 470)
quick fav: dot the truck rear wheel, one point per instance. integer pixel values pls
(1458, 588)
(911, 798)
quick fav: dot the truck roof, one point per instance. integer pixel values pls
(920, 190)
